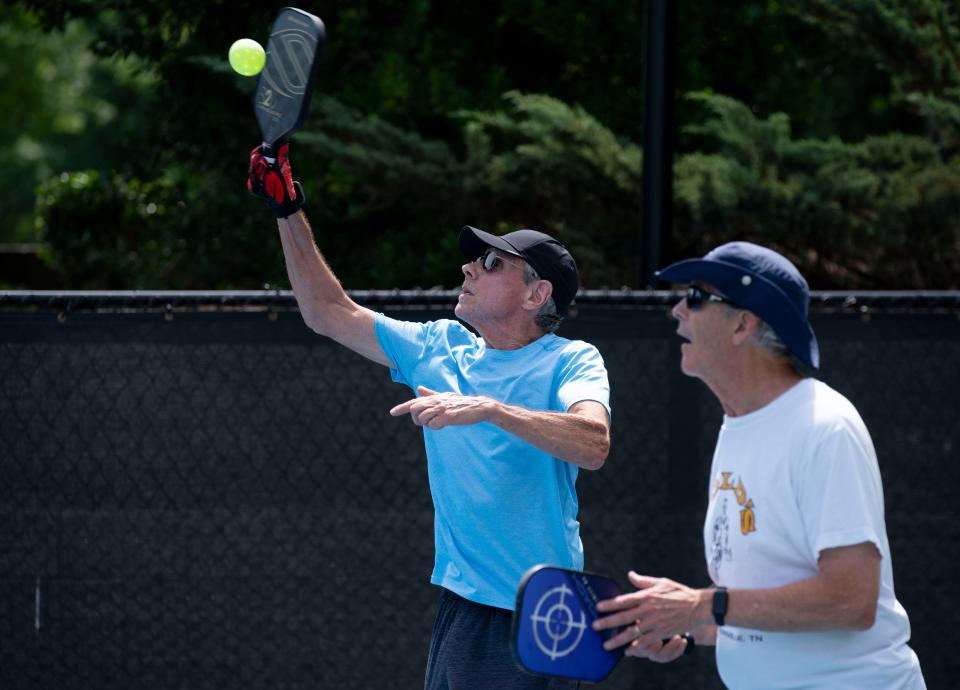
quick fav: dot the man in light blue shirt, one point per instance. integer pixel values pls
(510, 413)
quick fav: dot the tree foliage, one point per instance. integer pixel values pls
(880, 213)
(61, 109)
(916, 42)
(827, 129)
(113, 231)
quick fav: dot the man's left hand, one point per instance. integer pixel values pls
(658, 610)
(660, 651)
(436, 410)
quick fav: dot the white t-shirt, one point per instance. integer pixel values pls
(789, 480)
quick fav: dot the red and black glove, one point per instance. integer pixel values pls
(274, 183)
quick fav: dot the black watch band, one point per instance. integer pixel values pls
(719, 606)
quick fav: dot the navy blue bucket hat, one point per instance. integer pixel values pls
(762, 281)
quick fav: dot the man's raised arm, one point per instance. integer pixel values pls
(325, 306)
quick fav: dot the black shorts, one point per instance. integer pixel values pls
(470, 650)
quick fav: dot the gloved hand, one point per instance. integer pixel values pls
(274, 183)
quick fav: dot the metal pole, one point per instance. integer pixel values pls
(657, 139)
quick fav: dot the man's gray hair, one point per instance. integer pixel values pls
(767, 339)
(547, 318)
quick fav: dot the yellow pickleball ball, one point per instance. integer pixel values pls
(247, 57)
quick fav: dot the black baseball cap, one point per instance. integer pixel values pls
(548, 257)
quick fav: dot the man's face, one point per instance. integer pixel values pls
(492, 290)
(705, 324)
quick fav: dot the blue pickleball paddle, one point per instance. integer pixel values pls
(551, 624)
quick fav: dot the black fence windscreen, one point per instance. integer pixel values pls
(198, 492)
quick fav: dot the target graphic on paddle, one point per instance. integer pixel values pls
(551, 624)
(556, 628)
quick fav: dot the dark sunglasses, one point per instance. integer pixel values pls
(489, 261)
(696, 297)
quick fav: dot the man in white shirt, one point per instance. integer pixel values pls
(794, 535)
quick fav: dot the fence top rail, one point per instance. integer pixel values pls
(231, 300)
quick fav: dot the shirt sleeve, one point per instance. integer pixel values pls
(841, 495)
(584, 377)
(403, 342)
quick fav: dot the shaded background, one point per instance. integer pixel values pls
(181, 512)
(200, 492)
(825, 128)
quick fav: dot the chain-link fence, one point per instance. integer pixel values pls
(198, 492)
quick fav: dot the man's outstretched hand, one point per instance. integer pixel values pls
(436, 410)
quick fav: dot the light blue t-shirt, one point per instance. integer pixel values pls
(501, 504)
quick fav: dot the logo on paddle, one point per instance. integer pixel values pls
(556, 629)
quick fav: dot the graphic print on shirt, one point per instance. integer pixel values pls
(720, 548)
